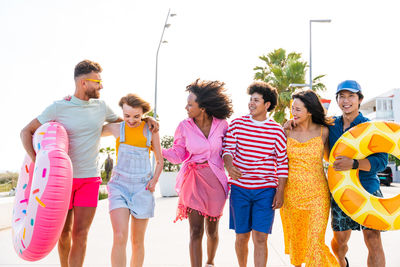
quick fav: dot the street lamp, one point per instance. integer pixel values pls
(166, 25)
(311, 81)
(311, 21)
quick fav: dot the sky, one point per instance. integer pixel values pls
(43, 40)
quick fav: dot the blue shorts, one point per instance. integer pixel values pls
(251, 209)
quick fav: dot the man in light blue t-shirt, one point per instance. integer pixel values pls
(83, 116)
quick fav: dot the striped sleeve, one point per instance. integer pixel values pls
(282, 168)
(230, 141)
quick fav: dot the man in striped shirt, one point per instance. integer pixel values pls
(255, 157)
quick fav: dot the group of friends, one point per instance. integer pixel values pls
(270, 167)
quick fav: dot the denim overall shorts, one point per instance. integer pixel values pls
(127, 187)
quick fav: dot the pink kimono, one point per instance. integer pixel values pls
(202, 184)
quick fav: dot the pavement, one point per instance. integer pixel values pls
(167, 242)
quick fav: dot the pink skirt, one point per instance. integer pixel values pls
(202, 192)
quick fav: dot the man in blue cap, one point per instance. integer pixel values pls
(349, 98)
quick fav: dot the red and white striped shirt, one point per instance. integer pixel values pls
(258, 149)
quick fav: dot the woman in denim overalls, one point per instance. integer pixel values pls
(132, 183)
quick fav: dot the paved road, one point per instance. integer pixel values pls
(167, 242)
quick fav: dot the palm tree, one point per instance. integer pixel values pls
(280, 71)
(166, 142)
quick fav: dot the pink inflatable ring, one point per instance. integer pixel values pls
(42, 194)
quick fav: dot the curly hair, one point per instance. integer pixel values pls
(314, 106)
(135, 101)
(269, 93)
(211, 96)
(85, 67)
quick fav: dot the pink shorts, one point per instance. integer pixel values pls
(85, 192)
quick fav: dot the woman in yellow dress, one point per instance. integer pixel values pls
(306, 206)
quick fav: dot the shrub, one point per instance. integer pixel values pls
(166, 142)
(102, 195)
(107, 166)
(9, 177)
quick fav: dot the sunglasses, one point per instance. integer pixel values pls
(96, 81)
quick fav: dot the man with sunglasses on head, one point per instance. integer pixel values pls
(83, 116)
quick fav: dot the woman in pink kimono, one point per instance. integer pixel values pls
(201, 183)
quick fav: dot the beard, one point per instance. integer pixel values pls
(93, 93)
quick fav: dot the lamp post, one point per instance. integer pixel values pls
(311, 21)
(166, 25)
(311, 81)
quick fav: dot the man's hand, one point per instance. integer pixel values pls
(278, 199)
(154, 126)
(26, 138)
(343, 163)
(234, 172)
(289, 125)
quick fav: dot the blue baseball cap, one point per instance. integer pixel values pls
(349, 85)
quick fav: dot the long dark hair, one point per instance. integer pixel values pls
(211, 96)
(314, 106)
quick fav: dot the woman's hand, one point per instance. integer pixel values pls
(151, 185)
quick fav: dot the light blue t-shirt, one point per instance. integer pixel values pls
(83, 121)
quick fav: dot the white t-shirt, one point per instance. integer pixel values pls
(83, 121)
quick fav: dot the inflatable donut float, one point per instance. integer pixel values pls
(358, 143)
(43, 193)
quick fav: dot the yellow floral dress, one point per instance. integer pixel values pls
(306, 206)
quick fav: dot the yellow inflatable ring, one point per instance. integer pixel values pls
(358, 143)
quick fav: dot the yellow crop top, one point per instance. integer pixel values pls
(133, 136)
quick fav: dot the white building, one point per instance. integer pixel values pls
(385, 107)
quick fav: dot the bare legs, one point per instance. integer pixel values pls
(339, 245)
(138, 230)
(260, 248)
(64, 242)
(73, 239)
(372, 239)
(196, 223)
(120, 223)
(212, 240)
(241, 247)
(376, 256)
